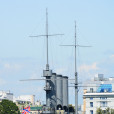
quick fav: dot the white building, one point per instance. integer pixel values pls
(99, 92)
(6, 95)
(38, 103)
(26, 98)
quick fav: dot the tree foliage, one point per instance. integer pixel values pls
(106, 111)
(8, 107)
(99, 111)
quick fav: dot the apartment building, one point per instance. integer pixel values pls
(99, 92)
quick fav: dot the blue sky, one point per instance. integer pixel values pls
(22, 57)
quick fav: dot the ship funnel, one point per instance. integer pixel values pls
(59, 92)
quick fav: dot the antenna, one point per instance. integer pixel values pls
(47, 65)
(76, 79)
(76, 74)
(47, 36)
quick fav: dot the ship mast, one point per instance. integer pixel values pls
(47, 65)
(76, 76)
(76, 79)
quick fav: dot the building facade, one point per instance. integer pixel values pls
(26, 98)
(99, 93)
(6, 95)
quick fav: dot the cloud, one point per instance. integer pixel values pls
(9, 66)
(88, 71)
(87, 68)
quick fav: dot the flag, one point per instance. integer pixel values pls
(26, 110)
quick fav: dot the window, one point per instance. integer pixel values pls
(104, 111)
(103, 104)
(103, 97)
(91, 104)
(91, 90)
(91, 98)
(91, 111)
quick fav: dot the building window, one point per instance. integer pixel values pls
(91, 98)
(91, 90)
(103, 97)
(91, 111)
(104, 111)
(103, 104)
(91, 104)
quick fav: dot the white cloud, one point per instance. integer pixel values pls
(9, 66)
(88, 71)
(87, 68)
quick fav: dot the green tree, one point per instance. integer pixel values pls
(112, 111)
(1, 109)
(99, 111)
(106, 111)
(8, 107)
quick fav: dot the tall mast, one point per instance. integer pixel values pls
(75, 48)
(47, 65)
(76, 79)
(76, 74)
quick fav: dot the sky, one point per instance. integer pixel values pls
(23, 57)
